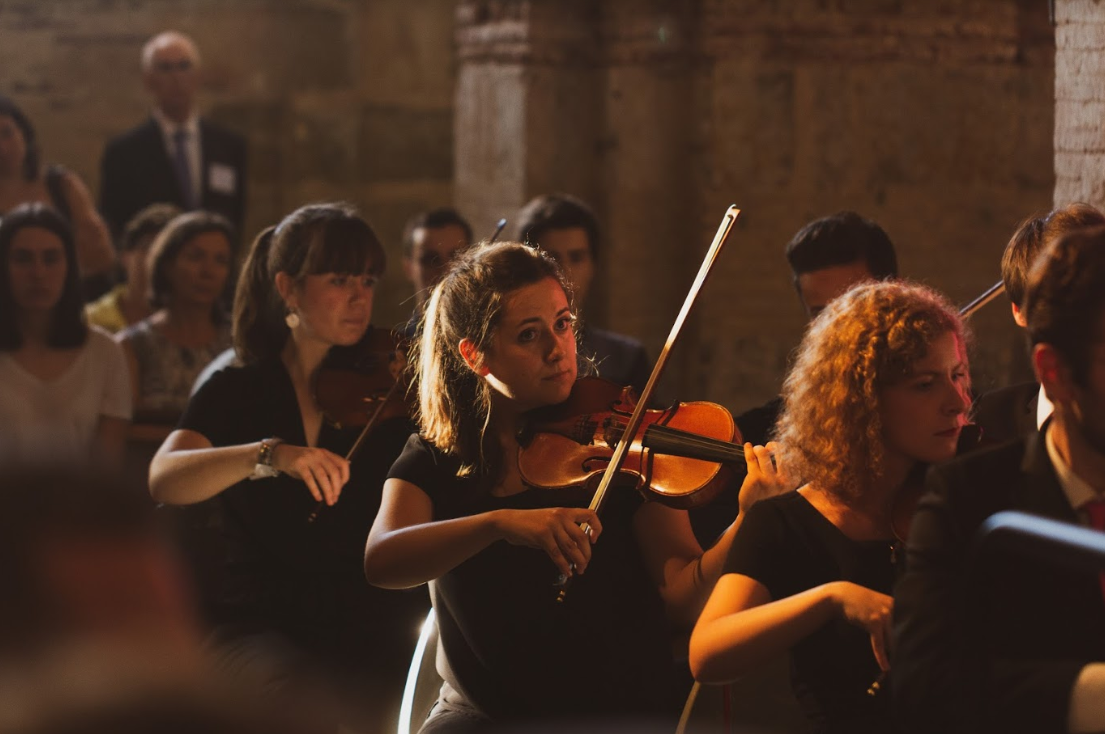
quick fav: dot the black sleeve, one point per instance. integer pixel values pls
(420, 464)
(212, 410)
(758, 547)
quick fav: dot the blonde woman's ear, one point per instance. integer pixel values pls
(472, 357)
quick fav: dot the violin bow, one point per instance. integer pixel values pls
(988, 295)
(498, 230)
(645, 398)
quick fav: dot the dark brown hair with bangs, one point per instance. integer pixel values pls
(312, 240)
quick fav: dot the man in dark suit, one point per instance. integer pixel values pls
(175, 156)
(567, 229)
(1012, 411)
(1016, 646)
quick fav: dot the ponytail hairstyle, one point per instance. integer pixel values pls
(312, 240)
(454, 403)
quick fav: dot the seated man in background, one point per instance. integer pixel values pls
(431, 240)
(1010, 412)
(567, 229)
(826, 257)
(1019, 645)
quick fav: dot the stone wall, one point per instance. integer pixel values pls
(1079, 102)
(345, 99)
(934, 119)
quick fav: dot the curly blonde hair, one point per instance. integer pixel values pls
(831, 433)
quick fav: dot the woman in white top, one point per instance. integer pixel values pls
(64, 393)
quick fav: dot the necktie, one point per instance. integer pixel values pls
(1096, 510)
(183, 170)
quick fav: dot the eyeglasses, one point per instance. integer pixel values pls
(169, 66)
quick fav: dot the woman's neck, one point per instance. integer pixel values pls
(302, 357)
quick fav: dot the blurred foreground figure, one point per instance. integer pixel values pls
(97, 629)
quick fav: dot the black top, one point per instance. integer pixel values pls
(789, 547)
(513, 651)
(260, 565)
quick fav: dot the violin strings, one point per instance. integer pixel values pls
(677, 437)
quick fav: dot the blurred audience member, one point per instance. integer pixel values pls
(63, 387)
(567, 229)
(175, 156)
(129, 302)
(98, 630)
(189, 266)
(24, 178)
(431, 240)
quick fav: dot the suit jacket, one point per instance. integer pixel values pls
(995, 647)
(1008, 413)
(618, 358)
(136, 171)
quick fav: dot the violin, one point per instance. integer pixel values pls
(675, 457)
(363, 386)
(635, 419)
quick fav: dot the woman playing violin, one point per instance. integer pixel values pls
(878, 389)
(265, 572)
(498, 341)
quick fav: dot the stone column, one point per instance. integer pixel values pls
(1079, 102)
(527, 105)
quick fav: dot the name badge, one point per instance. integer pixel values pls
(222, 179)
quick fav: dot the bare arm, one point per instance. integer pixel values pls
(95, 253)
(407, 547)
(741, 626)
(188, 469)
(684, 574)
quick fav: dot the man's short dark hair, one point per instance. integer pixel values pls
(1033, 235)
(1065, 298)
(545, 213)
(842, 239)
(433, 219)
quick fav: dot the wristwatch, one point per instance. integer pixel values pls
(264, 468)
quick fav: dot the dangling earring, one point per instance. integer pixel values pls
(291, 319)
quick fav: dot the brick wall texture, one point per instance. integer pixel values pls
(947, 121)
